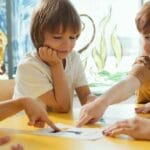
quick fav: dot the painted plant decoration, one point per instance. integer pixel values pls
(100, 54)
(116, 46)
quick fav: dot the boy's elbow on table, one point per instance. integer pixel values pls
(62, 108)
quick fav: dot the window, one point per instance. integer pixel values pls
(108, 44)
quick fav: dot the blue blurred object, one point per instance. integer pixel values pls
(20, 27)
(3, 16)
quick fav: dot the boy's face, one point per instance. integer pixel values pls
(146, 44)
(62, 43)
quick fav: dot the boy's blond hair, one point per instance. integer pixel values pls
(143, 19)
(49, 16)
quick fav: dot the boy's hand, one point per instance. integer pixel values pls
(49, 56)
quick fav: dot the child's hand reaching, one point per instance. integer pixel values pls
(49, 56)
(137, 128)
(91, 112)
(37, 114)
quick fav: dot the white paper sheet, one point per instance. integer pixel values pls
(72, 132)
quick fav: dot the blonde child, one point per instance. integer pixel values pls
(54, 71)
(138, 80)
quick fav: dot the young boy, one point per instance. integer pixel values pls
(54, 71)
(138, 79)
(35, 112)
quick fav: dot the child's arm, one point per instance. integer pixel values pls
(59, 97)
(10, 107)
(85, 95)
(36, 114)
(91, 112)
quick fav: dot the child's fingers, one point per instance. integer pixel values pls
(4, 140)
(146, 110)
(52, 125)
(139, 109)
(118, 131)
(83, 120)
(93, 120)
(17, 147)
(33, 120)
(110, 129)
(142, 109)
(118, 125)
(39, 124)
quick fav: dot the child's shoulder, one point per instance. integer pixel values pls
(29, 59)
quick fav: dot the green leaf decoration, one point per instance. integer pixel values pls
(104, 73)
(100, 54)
(102, 51)
(104, 22)
(97, 59)
(116, 45)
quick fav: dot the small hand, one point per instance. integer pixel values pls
(37, 114)
(90, 113)
(49, 56)
(137, 128)
(144, 60)
(143, 109)
(17, 147)
(4, 140)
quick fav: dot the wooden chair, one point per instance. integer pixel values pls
(6, 89)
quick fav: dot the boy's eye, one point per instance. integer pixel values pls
(147, 37)
(73, 38)
(57, 37)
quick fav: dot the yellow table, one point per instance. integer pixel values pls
(35, 142)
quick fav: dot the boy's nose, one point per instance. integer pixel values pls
(66, 46)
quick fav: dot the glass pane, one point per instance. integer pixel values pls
(108, 44)
(21, 11)
(116, 44)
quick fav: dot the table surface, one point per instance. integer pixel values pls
(18, 123)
